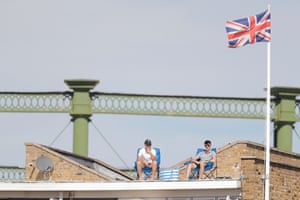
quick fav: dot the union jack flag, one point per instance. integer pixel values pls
(249, 30)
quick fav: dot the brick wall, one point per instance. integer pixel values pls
(64, 169)
(246, 160)
(252, 182)
(239, 160)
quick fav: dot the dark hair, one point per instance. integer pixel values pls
(147, 142)
(207, 142)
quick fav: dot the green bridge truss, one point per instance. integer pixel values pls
(81, 103)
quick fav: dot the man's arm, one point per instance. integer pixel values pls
(196, 159)
(214, 160)
(140, 157)
(153, 155)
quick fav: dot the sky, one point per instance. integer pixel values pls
(164, 47)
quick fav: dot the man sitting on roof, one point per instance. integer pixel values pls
(201, 160)
(146, 158)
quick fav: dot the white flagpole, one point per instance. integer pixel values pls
(268, 113)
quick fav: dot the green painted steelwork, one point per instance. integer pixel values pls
(80, 135)
(115, 103)
(285, 117)
(283, 135)
(11, 173)
(187, 106)
(81, 103)
(81, 111)
(58, 102)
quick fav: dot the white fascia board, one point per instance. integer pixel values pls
(120, 186)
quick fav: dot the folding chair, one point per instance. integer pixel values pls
(208, 171)
(147, 171)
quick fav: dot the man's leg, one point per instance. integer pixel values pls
(202, 165)
(139, 169)
(189, 169)
(154, 170)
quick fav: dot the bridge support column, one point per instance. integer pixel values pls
(283, 133)
(81, 112)
(285, 117)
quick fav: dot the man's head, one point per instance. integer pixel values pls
(207, 143)
(147, 142)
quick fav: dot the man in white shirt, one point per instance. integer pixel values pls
(146, 158)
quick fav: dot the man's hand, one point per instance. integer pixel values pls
(147, 164)
(194, 160)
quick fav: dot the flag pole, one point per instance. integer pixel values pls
(268, 115)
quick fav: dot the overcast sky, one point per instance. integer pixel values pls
(172, 47)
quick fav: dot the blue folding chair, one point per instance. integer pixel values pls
(147, 171)
(208, 172)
